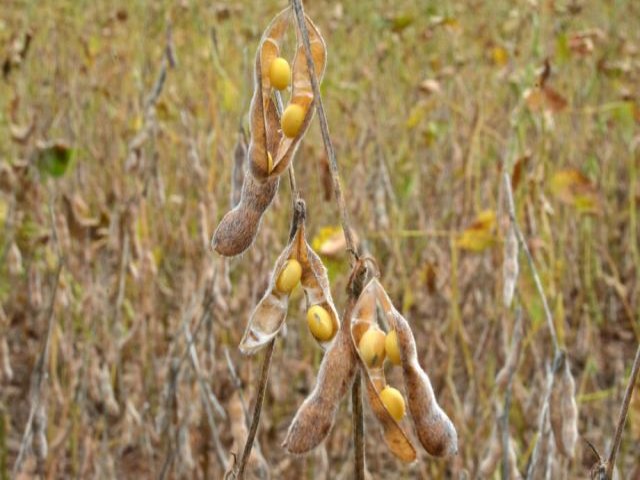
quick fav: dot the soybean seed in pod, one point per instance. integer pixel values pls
(393, 401)
(280, 73)
(320, 323)
(292, 120)
(392, 348)
(371, 347)
(289, 276)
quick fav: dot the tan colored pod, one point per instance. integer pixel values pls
(238, 228)
(434, 428)
(265, 125)
(394, 436)
(314, 419)
(271, 312)
(563, 410)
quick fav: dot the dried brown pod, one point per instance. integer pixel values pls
(314, 419)
(270, 152)
(511, 363)
(363, 318)
(238, 228)
(270, 313)
(280, 149)
(563, 410)
(434, 428)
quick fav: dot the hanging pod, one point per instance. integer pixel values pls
(433, 427)
(270, 151)
(271, 312)
(364, 319)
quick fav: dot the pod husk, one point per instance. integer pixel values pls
(271, 312)
(434, 429)
(394, 436)
(315, 417)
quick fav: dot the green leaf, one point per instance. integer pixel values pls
(54, 159)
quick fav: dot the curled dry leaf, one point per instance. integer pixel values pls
(314, 419)
(510, 267)
(394, 436)
(270, 313)
(563, 410)
(434, 428)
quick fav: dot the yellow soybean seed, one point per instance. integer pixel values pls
(280, 73)
(289, 276)
(292, 120)
(269, 162)
(371, 347)
(393, 401)
(320, 323)
(392, 348)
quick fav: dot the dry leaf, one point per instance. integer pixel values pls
(479, 235)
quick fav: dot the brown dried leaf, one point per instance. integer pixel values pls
(314, 419)
(563, 410)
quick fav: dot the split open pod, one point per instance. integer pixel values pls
(273, 141)
(297, 263)
(433, 427)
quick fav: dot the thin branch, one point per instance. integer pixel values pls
(257, 409)
(516, 341)
(532, 266)
(622, 417)
(324, 128)
(358, 427)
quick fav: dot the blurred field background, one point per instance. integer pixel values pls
(428, 102)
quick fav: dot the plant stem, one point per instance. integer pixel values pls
(622, 417)
(358, 427)
(257, 409)
(324, 128)
(532, 266)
